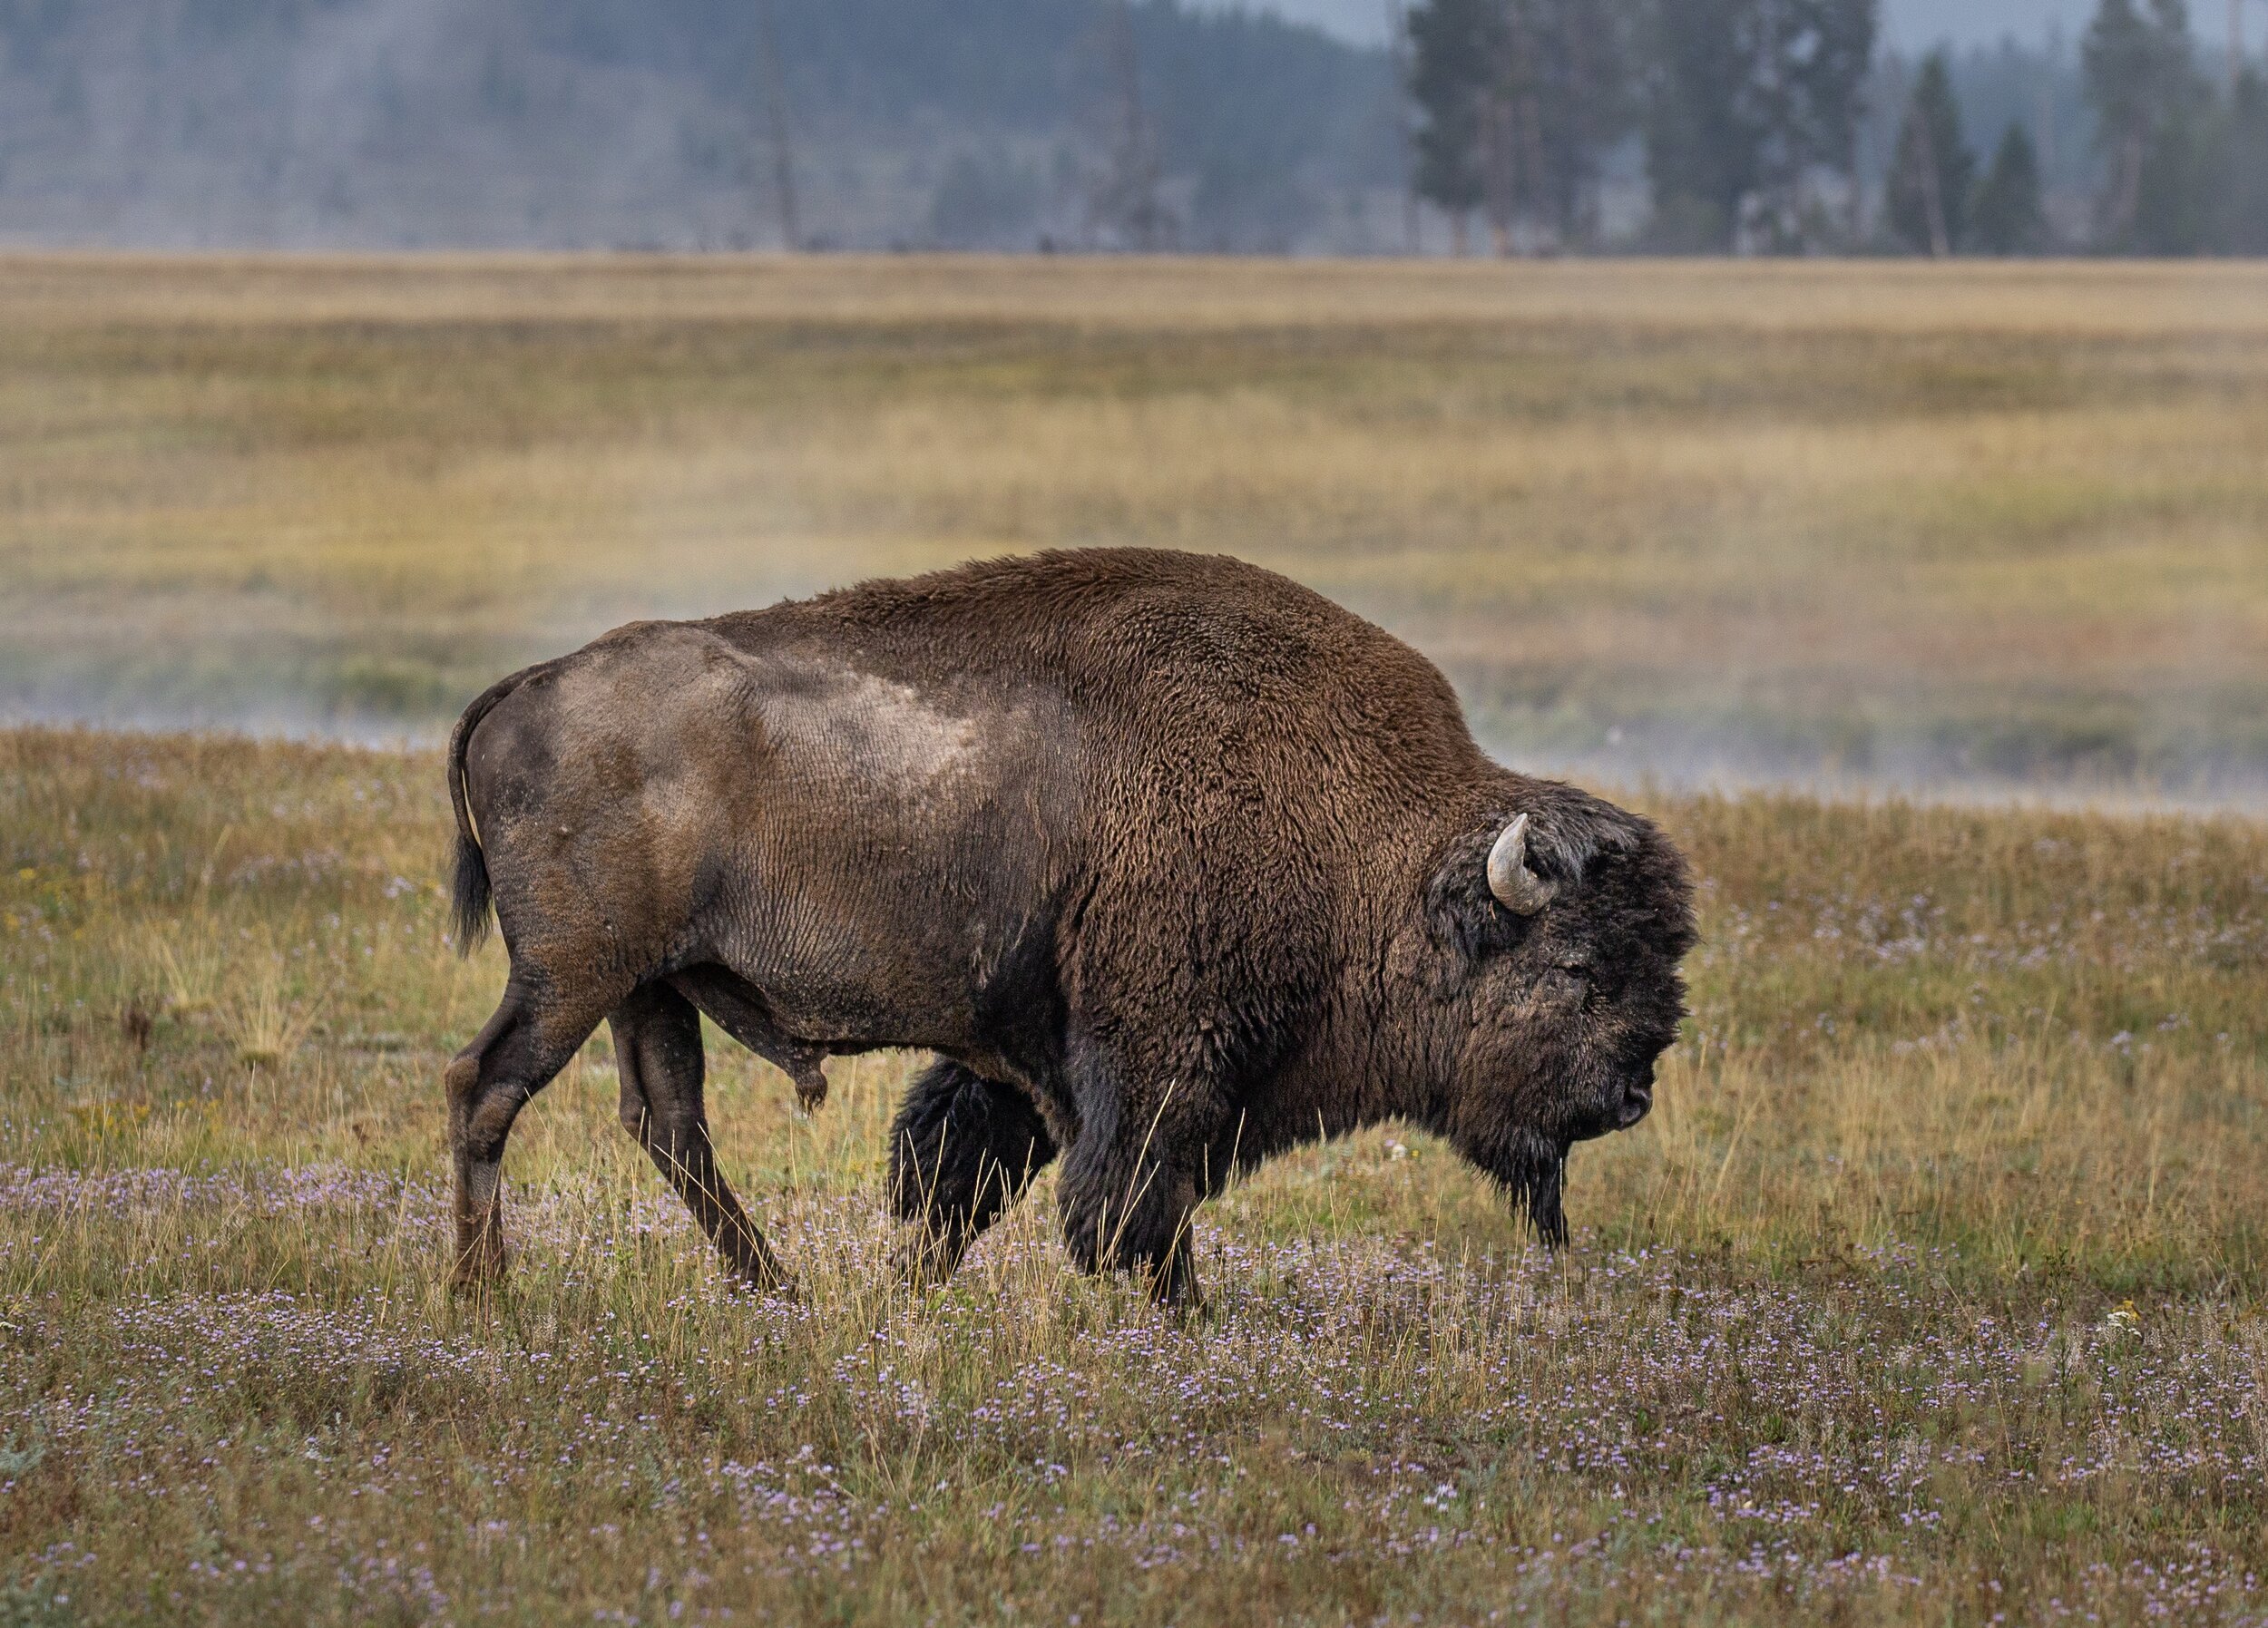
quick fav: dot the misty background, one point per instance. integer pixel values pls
(1995, 525)
(904, 123)
(1907, 24)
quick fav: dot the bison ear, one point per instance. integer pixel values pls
(1463, 915)
(1518, 888)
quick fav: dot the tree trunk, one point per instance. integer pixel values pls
(1932, 198)
(775, 116)
(2126, 198)
(1538, 185)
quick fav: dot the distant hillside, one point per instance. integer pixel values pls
(592, 122)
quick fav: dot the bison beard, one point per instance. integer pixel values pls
(1535, 1172)
(1171, 863)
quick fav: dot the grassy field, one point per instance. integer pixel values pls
(1892, 523)
(1932, 1290)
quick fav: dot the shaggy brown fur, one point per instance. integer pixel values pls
(1171, 862)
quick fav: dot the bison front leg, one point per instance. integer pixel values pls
(1128, 1192)
(515, 1055)
(962, 1150)
(657, 1053)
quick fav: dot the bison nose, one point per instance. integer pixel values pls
(1635, 1101)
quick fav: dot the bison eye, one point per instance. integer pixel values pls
(1566, 985)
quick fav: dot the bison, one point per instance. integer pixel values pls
(1171, 862)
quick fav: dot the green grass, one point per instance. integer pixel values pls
(1932, 1287)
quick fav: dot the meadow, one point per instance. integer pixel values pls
(1932, 1289)
(1860, 524)
(1931, 1292)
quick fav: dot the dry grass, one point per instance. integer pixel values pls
(1932, 1289)
(1931, 1292)
(1889, 522)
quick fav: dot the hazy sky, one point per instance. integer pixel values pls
(1908, 25)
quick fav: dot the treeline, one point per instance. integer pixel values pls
(1750, 120)
(1239, 129)
(1694, 125)
(691, 123)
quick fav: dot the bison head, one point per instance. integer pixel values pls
(1556, 923)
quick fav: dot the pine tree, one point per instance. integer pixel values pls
(2244, 222)
(2008, 216)
(1827, 50)
(2149, 106)
(1932, 170)
(1704, 135)
(1452, 44)
(1749, 97)
(1556, 96)
(1591, 56)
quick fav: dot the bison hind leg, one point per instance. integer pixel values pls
(962, 1150)
(658, 1054)
(527, 1041)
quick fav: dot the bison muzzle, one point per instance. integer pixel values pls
(1170, 862)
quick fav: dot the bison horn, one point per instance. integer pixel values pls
(1517, 888)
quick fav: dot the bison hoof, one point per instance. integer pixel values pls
(928, 1258)
(479, 1255)
(1173, 1287)
(782, 1287)
(477, 1269)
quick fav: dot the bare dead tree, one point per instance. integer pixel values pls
(1128, 198)
(1932, 198)
(2054, 61)
(775, 77)
(2236, 47)
(1500, 165)
(1398, 39)
(1503, 147)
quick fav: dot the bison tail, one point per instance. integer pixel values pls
(471, 893)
